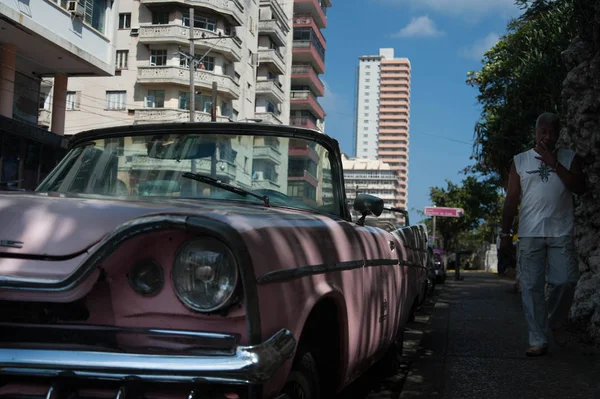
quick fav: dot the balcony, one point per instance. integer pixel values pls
(165, 34)
(305, 75)
(226, 170)
(303, 121)
(181, 76)
(314, 8)
(268, 117)
(305, 22)
(273, 58)
(271, 89)
(267, 153)
(305, 100)
(232, 10)
(305, 52)
(305, 176)
(274, 30)
(304, 151)
(156, 115)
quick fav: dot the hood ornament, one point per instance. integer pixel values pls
(11, 244)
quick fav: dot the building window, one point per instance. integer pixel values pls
(158, 57)
(200, 22)
(125, 20)
(122, 56)
(115, 100)
(208, 63)
(367, 87)
(160, 17)
(72, 102)
(94, 13)
(155, 99)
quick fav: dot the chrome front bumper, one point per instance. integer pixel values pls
(247, 365)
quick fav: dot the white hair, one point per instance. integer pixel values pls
(550, 120)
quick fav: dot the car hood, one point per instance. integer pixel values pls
(59, 226)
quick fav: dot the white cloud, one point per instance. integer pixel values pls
(463, 8)
(419, 27)
(476, 50)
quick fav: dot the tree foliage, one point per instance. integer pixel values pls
(481, 202)
(521, 78)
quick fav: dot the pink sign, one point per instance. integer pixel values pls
(444, 212)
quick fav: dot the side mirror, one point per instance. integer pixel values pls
(404, 213)
(367, 205)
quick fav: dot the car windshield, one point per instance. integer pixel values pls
(291, 172)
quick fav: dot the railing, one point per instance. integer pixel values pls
(152, 115)
(233, 7)
(182, 75)
(269, 55)
(303, 121)
(181, 32)
(307, 44)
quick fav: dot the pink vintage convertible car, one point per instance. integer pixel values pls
(213, 260)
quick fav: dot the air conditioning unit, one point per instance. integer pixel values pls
(75, 8)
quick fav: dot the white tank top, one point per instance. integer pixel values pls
(546, 203)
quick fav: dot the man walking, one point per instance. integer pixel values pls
(542, 181)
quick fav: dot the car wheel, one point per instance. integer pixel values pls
(391, 363)
(303, 381)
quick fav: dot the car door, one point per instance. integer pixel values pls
(380, 290)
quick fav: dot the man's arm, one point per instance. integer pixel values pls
(573, 179)
(513, 197)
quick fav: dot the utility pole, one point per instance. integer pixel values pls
(192, 64)
(213, 118)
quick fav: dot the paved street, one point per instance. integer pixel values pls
(470, 341)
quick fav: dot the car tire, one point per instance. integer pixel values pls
(303, 381)
(391, 363)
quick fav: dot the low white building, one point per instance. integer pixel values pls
(372, 177)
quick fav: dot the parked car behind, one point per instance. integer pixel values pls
(204, 260)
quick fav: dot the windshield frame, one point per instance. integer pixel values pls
(226, 128)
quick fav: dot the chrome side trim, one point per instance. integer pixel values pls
(250, 364)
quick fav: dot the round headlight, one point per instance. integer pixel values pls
(205, 275)
(146, 278)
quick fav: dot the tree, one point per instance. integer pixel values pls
(521, 78)
(481, 202)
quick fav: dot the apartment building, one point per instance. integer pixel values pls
(372, 177)
(265, 56)
(42, 39)
(242, 45)
(383, 115)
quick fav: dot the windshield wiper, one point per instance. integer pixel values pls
(225, 186)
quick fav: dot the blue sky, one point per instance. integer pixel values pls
(443, 39)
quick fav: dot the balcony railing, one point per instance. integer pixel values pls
(154, 115)
(303, 121)
(274, 57)
(179, 75)
(305, 95)
(308, 44)
(308, 72)
(273, 28)
(267, 152)
(232, 8)
(273, 89)
(269, 117)
(230, 47)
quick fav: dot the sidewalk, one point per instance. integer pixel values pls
(474, 347)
